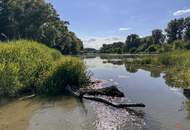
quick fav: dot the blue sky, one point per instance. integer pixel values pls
(105, 21)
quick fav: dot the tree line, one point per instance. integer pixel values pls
(39, 21)
(175, 36)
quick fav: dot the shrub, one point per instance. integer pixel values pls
(31, 66)
(155, 48)
(181, 44)
(9, 82)
(68, 71)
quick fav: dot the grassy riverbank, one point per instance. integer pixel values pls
(28, 66)
(176, 64)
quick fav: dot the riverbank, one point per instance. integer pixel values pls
(30, 67)
(175, 64)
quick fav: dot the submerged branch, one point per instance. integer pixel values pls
(117, 105)
(93, 92)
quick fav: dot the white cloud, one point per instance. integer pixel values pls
(97, 42)
(181, 12)
(124, 29)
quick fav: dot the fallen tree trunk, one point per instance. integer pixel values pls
(109, 91)
(117, 105)
(94, 98)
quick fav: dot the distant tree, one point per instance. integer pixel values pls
(90, 50)
(145, 42)
(175, 29)
(116, 47)
(132, 41)
(157, 36)
(177, 37)
(148, 40)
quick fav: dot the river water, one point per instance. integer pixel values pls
(167, 107)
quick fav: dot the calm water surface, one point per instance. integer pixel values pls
(167, 108)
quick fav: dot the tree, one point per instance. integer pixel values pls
(145, 42)
(132, 41)
(36, 20)
(175, 29)
(116, 47)
(157, 36)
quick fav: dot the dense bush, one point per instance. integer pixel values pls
(30, 66)
(68, 71)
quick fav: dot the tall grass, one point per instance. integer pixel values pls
(27, 66)
(176, 65)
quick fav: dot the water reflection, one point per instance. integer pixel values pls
(133, 68)
(155, 72)
(63, 112)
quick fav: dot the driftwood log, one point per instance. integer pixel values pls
(117, 105)
(109, 91)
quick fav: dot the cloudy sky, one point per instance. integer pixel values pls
(104, 21)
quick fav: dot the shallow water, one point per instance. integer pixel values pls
(166, 107)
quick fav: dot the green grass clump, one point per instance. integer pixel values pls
(175, 58)
(176, 64)
(180, 67)
(28, 66)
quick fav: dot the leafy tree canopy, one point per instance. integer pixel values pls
(36, 20)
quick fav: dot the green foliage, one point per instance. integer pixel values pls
(181, 44)
(9, 79)
(116, 47)
(39, 21)
(30, 66)
(147, 60)
(176, 65)
(178, 29)
(152, 49)
(68, 71)
(132, 43)
(175, 30)
(157, 36)
(90, 50)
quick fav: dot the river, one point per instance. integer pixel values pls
(167, 107)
